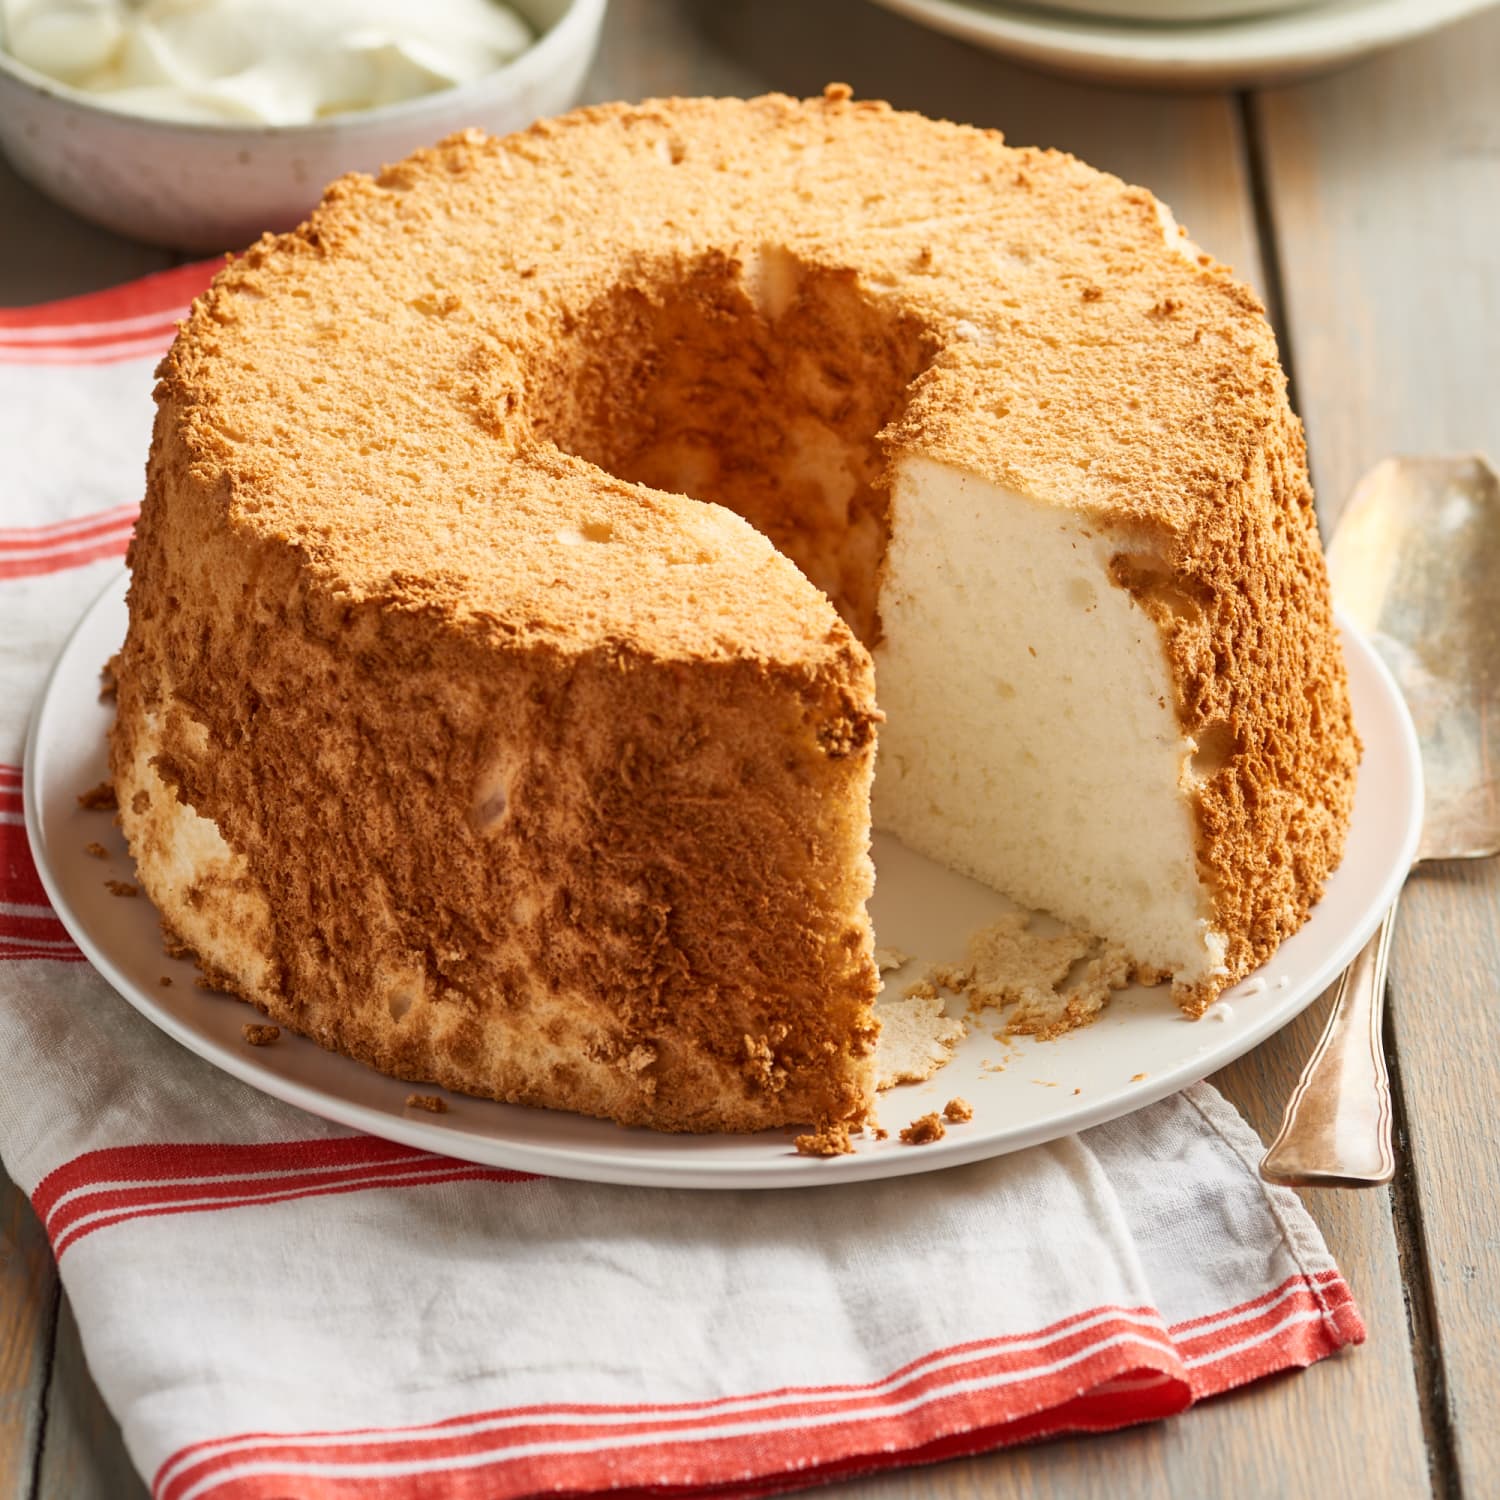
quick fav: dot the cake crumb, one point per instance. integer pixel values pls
(827, 1140)
(1077, 1091)
(99, 798)
(97, 850)
(916, 1039)
(887, 959)
(923, 989)
(121, 888)
(1136, 1077)
(924, 1130)
(881, 1133)
(109, 680)
(165, 981)
(172, 945)
(953, 977)
(434, 1104)
(260, 1036)
(958, 1111)
(1054, 984)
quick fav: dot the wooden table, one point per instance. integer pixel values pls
(1365, 207)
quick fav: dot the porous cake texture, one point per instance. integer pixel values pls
(529, 536)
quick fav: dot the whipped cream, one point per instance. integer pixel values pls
(260, 62)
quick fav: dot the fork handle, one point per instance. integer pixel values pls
(1337, 1128)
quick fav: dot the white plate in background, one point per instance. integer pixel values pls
(1140, 1050)
(1185, 54)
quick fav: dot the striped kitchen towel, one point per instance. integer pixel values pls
(274, 1306)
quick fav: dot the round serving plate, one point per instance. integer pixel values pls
(1216, 52)
(1022, 1091)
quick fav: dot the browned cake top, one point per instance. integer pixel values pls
(417, 387)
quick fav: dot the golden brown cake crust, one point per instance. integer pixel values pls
(362, 643)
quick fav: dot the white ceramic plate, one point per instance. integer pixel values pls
(1184, 54)
(1141, 1049)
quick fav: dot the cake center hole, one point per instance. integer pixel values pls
(762, 383)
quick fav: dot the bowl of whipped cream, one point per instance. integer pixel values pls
(200, 124)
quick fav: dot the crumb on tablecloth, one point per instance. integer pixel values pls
(958, 1111)
(924, 1130)
(260, 1036)
(99, 798)
(121, 888)
(434, 1104)
(97, 850)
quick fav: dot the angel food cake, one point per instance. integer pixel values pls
(549, 546)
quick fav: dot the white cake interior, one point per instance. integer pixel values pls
(1030, 737)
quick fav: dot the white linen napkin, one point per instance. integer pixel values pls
(274, 1306)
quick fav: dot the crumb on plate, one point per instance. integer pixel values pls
(259, 1036)
(826, 1140)
(924, 1130)
(958, 1111)
(99, 798)
(434, 1104)
(916, 1039)
(172, 945)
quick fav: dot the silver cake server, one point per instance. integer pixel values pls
(1415, 563)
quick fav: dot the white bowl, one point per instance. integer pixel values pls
(197, 186)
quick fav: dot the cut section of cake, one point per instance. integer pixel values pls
(538, 541)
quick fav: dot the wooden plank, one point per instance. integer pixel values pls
(1384, 188)
(83, 1456)
(47, 252)
(28, 1311)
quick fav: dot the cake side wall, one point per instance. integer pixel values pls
(1030, 741)
(1243, 604)
(596, 882)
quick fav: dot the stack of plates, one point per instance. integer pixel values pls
(1194, 43)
